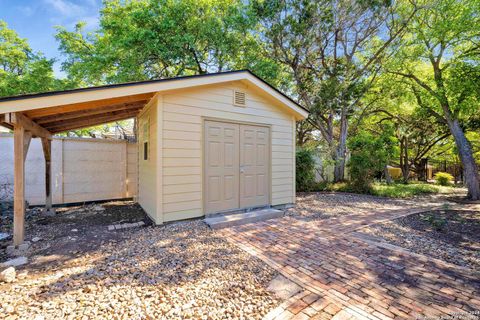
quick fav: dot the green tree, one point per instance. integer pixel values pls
(419, 134)
(152, 39)
(22, 70)
(334, 50)
(305, 170)
(440, 58)
(369, 155)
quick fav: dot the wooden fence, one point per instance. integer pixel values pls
(82, 170)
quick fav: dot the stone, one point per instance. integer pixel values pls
(15, 262)
(283, 288)
(74, 230)
(98, 208)
(24, 246)
(110, 228)
(36, 239)
(22, 275)
(49, 213)
(8, 275)
(4, 235)
(10, 249)
(9, 309)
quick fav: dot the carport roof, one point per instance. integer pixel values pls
(59, 111)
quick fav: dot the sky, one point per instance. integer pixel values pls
(35, 20)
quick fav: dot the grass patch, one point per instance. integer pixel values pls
(396, 190)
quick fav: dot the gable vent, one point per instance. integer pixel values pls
(239, 98)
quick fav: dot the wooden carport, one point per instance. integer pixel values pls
(43, 123)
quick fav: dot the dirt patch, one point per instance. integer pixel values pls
(450, 235)
(176, 271)
(72, 230)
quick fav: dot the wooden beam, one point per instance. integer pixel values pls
(87, 105)
(17, 119)
(26, 143)
(93, 122)
(47, 154)
(20, 152)
(101, 117)
(88, 112)
(3, 123)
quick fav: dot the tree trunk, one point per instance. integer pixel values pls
(341, 150)
(404, 166)
(470, 169)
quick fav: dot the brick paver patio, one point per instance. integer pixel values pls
(345, 276)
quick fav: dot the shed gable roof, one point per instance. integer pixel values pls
(82, 96)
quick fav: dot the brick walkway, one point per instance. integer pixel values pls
(345, 276)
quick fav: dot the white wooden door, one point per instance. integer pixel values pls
(237, 166)
(254, 166)
(221, 166)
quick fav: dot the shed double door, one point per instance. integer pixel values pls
(237, 160)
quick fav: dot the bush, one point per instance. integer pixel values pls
(443, 178)
(369, 155)
(305, 170)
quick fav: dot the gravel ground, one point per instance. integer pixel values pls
(177, 271)
(324, 205)
(450, 235)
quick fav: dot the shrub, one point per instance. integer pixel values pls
(305, 170)
(443, 178)
(437, 223)
(369, 155)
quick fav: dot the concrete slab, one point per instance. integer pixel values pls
(225, 221)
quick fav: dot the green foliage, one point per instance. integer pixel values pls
(369, 155)
(152, 39)
(22, 70)
(305, 170)
(443, 178)
(439, 60)
(437, 223)
(395, 190)
(401, 190)
(334, 56)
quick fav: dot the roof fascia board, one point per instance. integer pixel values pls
(67, 98)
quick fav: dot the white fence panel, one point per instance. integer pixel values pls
(82, 170)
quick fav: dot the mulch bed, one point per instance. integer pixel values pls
(450, 235)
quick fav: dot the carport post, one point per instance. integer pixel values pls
(23, 131)
(21, 144)
(47, 153)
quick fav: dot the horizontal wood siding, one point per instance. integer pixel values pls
(183, 115)
(147, 169)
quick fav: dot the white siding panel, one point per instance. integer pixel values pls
(147, 169)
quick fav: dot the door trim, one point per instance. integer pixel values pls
(203, 177)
